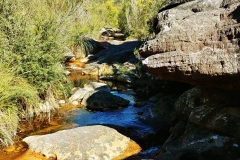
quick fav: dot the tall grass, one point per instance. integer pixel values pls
(136, 17)
(17, 97)
(33, 38)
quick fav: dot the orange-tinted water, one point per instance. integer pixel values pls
(38, 126)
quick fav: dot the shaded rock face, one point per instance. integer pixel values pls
(91, 142)
(214, 109)
(208, 127)
(102, 100)
(200, 144)
(97, 96)
(197, 42)
(117, 53)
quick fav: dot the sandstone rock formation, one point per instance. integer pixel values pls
(200, 144)
(97, 96)
(91, 142)
(103, 100)
(214, 109)
(197, 42)
(209, 126)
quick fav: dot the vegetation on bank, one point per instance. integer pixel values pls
(34, 36)
(17, 99)
(133, 17)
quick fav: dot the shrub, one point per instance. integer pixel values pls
(17, 98)
(32, 42)
(135, 17)
(33, 38)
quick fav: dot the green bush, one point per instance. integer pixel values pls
(32, 42)
(135, 17)
(33, 38)
(17, 98)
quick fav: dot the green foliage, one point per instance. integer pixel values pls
(135, 17)
(125, 70)
(8, 125)
(17, 97)
(34, 36)
(111, 14)
(81, 45)
(94, 15)
(32, 42)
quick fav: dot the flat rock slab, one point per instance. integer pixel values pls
(90, 142)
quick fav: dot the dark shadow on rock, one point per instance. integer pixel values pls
(198, 143)
(103, 100)
(117, 53)
(144, 140)
(236, 14)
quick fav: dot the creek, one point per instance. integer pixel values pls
(129, 121)
(132, 121)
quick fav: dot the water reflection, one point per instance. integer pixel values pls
(129, 117)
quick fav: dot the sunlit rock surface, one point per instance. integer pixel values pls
(90, 142)
(97, 96)
(197, 42)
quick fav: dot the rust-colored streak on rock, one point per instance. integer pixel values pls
(133, 148)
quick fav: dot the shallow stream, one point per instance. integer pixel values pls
(128, 121)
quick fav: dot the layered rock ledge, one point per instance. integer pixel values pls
(197, 42)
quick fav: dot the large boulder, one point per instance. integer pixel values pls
(197, 42)
(208, 127)
(102, 100)
(90, 142)
(199, 144)
(78, 93)
(214, 109)
(97, 96)
(117, 53)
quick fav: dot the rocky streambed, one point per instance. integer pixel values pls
(197, 43)
(139, 121)
(137, 110)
